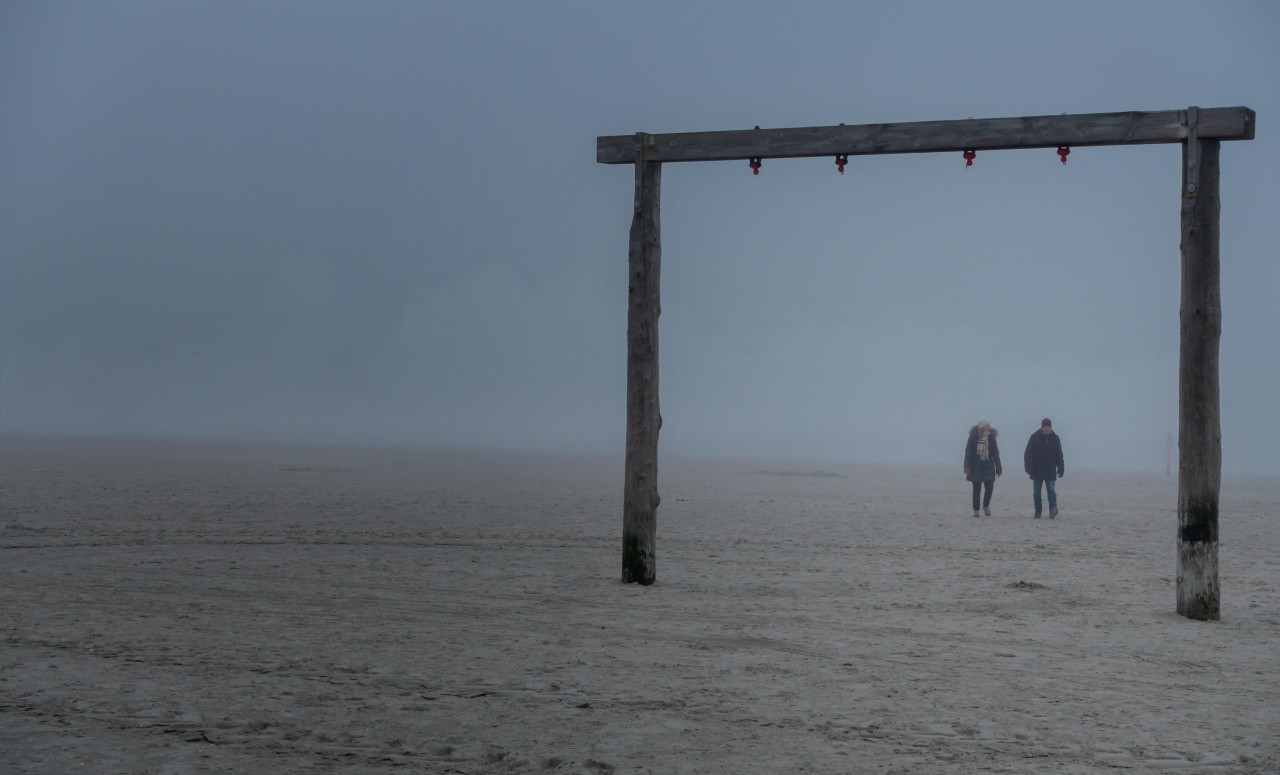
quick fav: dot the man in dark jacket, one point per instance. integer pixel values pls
(1043, 462)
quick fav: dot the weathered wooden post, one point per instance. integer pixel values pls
(640, 486)
(1200, 132)
(1199, 427)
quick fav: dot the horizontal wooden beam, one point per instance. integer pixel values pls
(978, 134)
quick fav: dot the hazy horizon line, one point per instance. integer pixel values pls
(543, 451)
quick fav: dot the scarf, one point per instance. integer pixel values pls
(982, 448)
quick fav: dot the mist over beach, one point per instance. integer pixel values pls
(315, 387)
(283, 222)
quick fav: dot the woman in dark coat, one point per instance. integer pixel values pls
(982, 464)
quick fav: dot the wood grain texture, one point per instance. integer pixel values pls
(640, 485)
(1199, 425)
(1131, 128)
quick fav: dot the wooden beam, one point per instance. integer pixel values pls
(644, 420)
(1132, 128)
(1199, 426)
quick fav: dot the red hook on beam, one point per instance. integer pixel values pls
(1063, 151)
(755, 165)
(841, 160)
(968, 158)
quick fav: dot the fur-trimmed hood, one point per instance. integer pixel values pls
(973, 432)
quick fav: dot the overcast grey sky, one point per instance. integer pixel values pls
(351, 221)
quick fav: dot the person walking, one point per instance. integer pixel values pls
(982, 464)
(1043, 462)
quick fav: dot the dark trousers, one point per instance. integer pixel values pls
(1050, 487)
(986, 497)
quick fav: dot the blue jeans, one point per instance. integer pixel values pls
(1050, 486)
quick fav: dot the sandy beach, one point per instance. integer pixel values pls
(183, 607)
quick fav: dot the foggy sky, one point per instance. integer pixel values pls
(384, 222)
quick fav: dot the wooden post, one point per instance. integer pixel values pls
(981, 134)
(640, 487)
(1201, 133)
(1199, 427)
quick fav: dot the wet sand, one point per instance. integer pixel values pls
(181, 607)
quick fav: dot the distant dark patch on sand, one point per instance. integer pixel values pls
(1027, 585)
(314, 470)
(796, 473)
